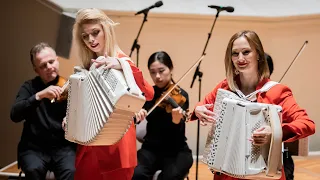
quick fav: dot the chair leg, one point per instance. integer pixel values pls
(19, 178)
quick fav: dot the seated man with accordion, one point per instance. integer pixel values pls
(251, 116)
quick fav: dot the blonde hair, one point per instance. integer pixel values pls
(95, 16)
(255, 43)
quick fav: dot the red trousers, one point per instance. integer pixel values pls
(118, 174)
(115, 162)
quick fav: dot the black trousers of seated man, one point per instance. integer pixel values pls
(35, 163)
(173, 167)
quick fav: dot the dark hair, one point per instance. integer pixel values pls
(37, 48)
(270, 62)
(163, 58)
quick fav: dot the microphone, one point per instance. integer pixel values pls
(221, 8)
(157, 4)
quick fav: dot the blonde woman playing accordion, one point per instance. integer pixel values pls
(247, 71)
(94, 37)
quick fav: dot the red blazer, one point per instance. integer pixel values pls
(92, 161)
(296, 122)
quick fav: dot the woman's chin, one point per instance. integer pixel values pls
(247, 72)
(95, 50)
(160, 86)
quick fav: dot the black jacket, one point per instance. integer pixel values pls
(42, 119)
(162, 134)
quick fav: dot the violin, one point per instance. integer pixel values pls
(63, 83)
(173, 87)
(170, 99)
(173, 100)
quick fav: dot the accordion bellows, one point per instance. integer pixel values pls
(228, 149)
(101, 105)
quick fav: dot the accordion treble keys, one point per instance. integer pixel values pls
(101, 105)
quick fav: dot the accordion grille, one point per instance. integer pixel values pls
(100, 108)
(228, 148)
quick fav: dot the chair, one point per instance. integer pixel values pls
(49, 176)
(141, 130)
(13, 171)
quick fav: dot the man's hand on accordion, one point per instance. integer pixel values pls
(261, 136)
(204, 114)
(109, 62)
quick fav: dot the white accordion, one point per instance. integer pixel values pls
(101, 105)
(228, 149)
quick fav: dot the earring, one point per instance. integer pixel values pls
(236, 72)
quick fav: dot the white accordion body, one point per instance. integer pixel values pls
(101, 105)
(228, 149)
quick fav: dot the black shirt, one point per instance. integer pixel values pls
(162, 134)
(42, 126)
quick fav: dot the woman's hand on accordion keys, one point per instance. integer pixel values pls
(204, 114)
(109, 62)
(261, 136)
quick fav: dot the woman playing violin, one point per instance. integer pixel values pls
(164, 147)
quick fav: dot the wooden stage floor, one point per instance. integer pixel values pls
(306, 168)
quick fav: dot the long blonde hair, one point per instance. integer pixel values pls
(95, 16)
(255, 43)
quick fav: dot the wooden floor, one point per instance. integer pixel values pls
(306, 168)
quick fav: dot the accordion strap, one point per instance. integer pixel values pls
(252, 96)
(133, 88)
(275, 151)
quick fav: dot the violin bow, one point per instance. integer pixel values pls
(298, 54)
(176, 84)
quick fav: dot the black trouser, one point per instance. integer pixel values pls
(35, 163)
(173, 167)
(288, 165)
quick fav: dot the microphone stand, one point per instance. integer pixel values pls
(135, 44)
(199, 74)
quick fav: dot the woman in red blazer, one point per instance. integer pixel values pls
(247, 70)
